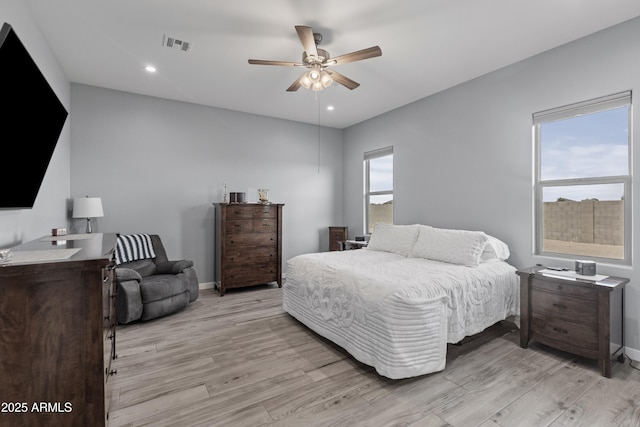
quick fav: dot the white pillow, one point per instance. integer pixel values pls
(398, 239)
(453, 246)
(495, 249)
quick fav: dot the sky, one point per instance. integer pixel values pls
(586, 146)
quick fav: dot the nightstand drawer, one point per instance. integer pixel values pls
(566, 288)
(338, 235)
(567, 334)
(574, 309)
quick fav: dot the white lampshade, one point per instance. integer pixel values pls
(87, 207)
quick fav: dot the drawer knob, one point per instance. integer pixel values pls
(560, 330)
(560, 306)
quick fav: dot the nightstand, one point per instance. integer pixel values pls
(573, 314)
(337, 235)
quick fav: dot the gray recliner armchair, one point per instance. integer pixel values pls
(153, 287)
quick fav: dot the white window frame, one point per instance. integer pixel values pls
(370, 155)
(622, 99)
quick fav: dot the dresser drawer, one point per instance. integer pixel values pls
(265, 225)
(563, 332)
(251, 239)
(565, 288)
(247, 257)
(577, 310)
(239, 212)
(265, 211)
(235, 226)
(252, 275)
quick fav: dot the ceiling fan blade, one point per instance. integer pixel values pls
(307, 39)
(267, 62)
(343, 80)
(295, 85)
(359, 55)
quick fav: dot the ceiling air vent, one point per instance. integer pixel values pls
(175, 43)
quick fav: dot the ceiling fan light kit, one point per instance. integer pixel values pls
(318, 61)
(316, 79)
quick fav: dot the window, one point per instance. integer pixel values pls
(582, 179)
(378, 187)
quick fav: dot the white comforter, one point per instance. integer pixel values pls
(397, 313)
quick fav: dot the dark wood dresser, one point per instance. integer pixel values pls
(57, 332)
(337, 236)
(248, 245)
(574, 315)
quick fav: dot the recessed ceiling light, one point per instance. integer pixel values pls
(150, 68)
(330, 108)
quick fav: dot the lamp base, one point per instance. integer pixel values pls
(89, 225)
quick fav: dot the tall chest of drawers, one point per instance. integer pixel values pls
(248, 245)
(574, 315)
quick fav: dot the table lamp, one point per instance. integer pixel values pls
(87, 207)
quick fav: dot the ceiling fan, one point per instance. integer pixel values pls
(318, 62)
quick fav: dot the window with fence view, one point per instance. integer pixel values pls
(583, 184)
(378, 185)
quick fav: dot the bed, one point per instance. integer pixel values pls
(397, 303)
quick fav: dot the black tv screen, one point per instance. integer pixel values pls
(31, 119)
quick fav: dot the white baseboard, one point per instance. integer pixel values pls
(632, 353)
(208, 285)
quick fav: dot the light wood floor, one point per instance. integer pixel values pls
(240, 360)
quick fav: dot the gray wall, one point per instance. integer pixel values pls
(158, 166)
(463, 157)
(49, 211)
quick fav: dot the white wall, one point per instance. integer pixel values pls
(50, 208)
(159, 165)
(463, 157)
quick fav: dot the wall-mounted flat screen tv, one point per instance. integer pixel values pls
(31, 119)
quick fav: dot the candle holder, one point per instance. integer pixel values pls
(263, 195)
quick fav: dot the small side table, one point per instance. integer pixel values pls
(576, 315)
(352, 244)
(337, 235)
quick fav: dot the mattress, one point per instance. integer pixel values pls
(397, 313)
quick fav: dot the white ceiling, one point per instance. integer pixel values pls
(427, 46)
